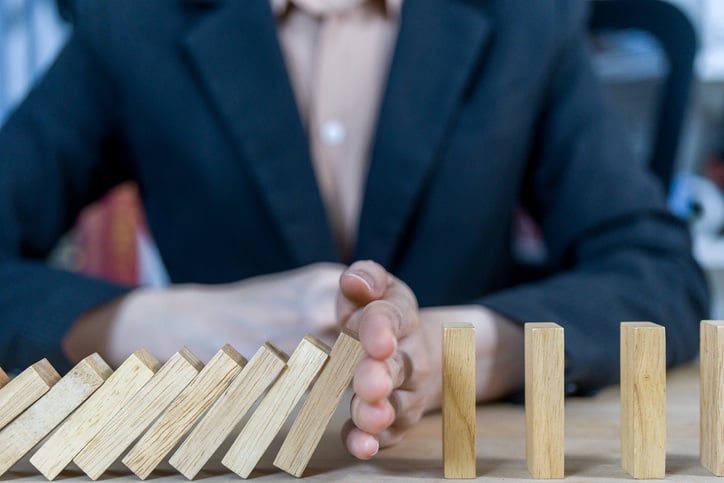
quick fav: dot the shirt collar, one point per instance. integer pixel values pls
(391, 7)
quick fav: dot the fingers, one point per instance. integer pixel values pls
(372, 418)
(389, 310)
(402, 410)
(382, 424)
(360, 444)
(375, 380)
(383, 310)
(363, 445)
(363, 282)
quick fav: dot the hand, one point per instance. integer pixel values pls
(399, 378)
(280, 308)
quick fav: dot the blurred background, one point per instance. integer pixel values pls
(662, 62)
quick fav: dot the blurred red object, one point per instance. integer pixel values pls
(106, 236)
(714, 170)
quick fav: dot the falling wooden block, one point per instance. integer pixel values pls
(320, 405)
(3, 378)
(21, 436)
(96, 412)
(226, 413)
(26, 388)
(263, 425)
(458, 403)
(544, 394)
(183, 412)
(145, 406)
(711, 366)
(643, 400)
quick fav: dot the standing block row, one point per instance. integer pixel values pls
(458, 401)
(712, 396)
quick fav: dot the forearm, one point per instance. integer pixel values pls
(91, 332)
(280, 308)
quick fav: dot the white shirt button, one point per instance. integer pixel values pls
(333, 133)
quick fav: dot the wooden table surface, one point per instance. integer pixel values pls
(592, 446)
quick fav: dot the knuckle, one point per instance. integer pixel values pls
(385, 308)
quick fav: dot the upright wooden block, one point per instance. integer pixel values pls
(20, 436)
(643, 400)
(274, 409)
(3, 378)
(320, 405)
(711, 382)
(183, 413)
(145, 406)
(26, 388)
(544, 394)
(96, 412)
(226, 413)
(458, 403)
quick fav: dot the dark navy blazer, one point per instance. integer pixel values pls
(489, 105)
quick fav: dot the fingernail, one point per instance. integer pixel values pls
(373, 446)
(362, 277)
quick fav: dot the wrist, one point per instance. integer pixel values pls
(91, 331)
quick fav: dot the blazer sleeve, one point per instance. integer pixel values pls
(58, 153)
(618, 254)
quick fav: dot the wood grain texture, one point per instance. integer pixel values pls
(592, 447)
(26, 388)
(72, 436)
(458, 404)
(4, 379)
(21, 436)
(544, 396)
(228, 410)
(184, 412)
(316, 412)
(643, 400)
(264, 424)
(145, 406)
(711, 367)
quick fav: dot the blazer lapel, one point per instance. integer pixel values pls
(236, 54)
(438, 47)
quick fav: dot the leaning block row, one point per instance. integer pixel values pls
(182, 401)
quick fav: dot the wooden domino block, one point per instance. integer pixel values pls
(711, 366)
(458, 404)
(183, 412)
(263, 425)
(320, 405)
(20, 436)
(96, 412)
(3, 378)
(226, 413)
(643, 400)
(145, 406)
(26, 388)
(544, 394)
